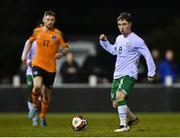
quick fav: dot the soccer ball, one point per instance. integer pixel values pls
(79, 123)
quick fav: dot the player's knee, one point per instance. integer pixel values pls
(37, 88)
(47, 95)
(47, 99)
(120, 96)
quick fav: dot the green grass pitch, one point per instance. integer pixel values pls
(99, 125)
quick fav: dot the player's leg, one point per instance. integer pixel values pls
(38, 82)
(36, 90)
(132, 118)
(130, 115)
(35, 95)
(122, 110)
(116, 98)
(29, 80)
(38, 74)
(126, 83)
(48, 81)
(45, 106)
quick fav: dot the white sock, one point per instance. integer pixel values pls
(35, 118)
(122, 110)
(130, 115)
(30, 105)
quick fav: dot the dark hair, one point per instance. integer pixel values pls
(50, 13)
(125, 16)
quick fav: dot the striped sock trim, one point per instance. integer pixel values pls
(120, 103)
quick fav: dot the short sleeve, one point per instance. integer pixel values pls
(62, 40)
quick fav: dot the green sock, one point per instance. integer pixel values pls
(120, 103)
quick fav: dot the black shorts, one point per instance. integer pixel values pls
(48, 77)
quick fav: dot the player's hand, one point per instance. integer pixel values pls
(59, 55)
(23, 61)
(114, 104)
(150, 79)
(66, 51)
(103, 37)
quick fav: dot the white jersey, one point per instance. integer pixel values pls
(128, 50)
(30, 56)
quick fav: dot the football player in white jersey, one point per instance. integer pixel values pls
(127, 49)
(29, 80)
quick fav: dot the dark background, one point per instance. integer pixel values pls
(157, 22)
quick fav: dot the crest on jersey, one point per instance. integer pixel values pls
(128, 44)
(54, 38)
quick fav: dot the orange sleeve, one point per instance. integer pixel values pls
(62, 40)
(62, 43)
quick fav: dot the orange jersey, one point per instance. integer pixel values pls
(47, 45)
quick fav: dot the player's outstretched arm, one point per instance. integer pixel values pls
(106, 45)
(26, 50)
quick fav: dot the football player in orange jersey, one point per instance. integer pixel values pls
(48, 40)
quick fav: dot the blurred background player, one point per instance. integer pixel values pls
(29, 80)
(128, 48)
(48, 40)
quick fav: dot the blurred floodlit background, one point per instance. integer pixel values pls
(157, 22)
